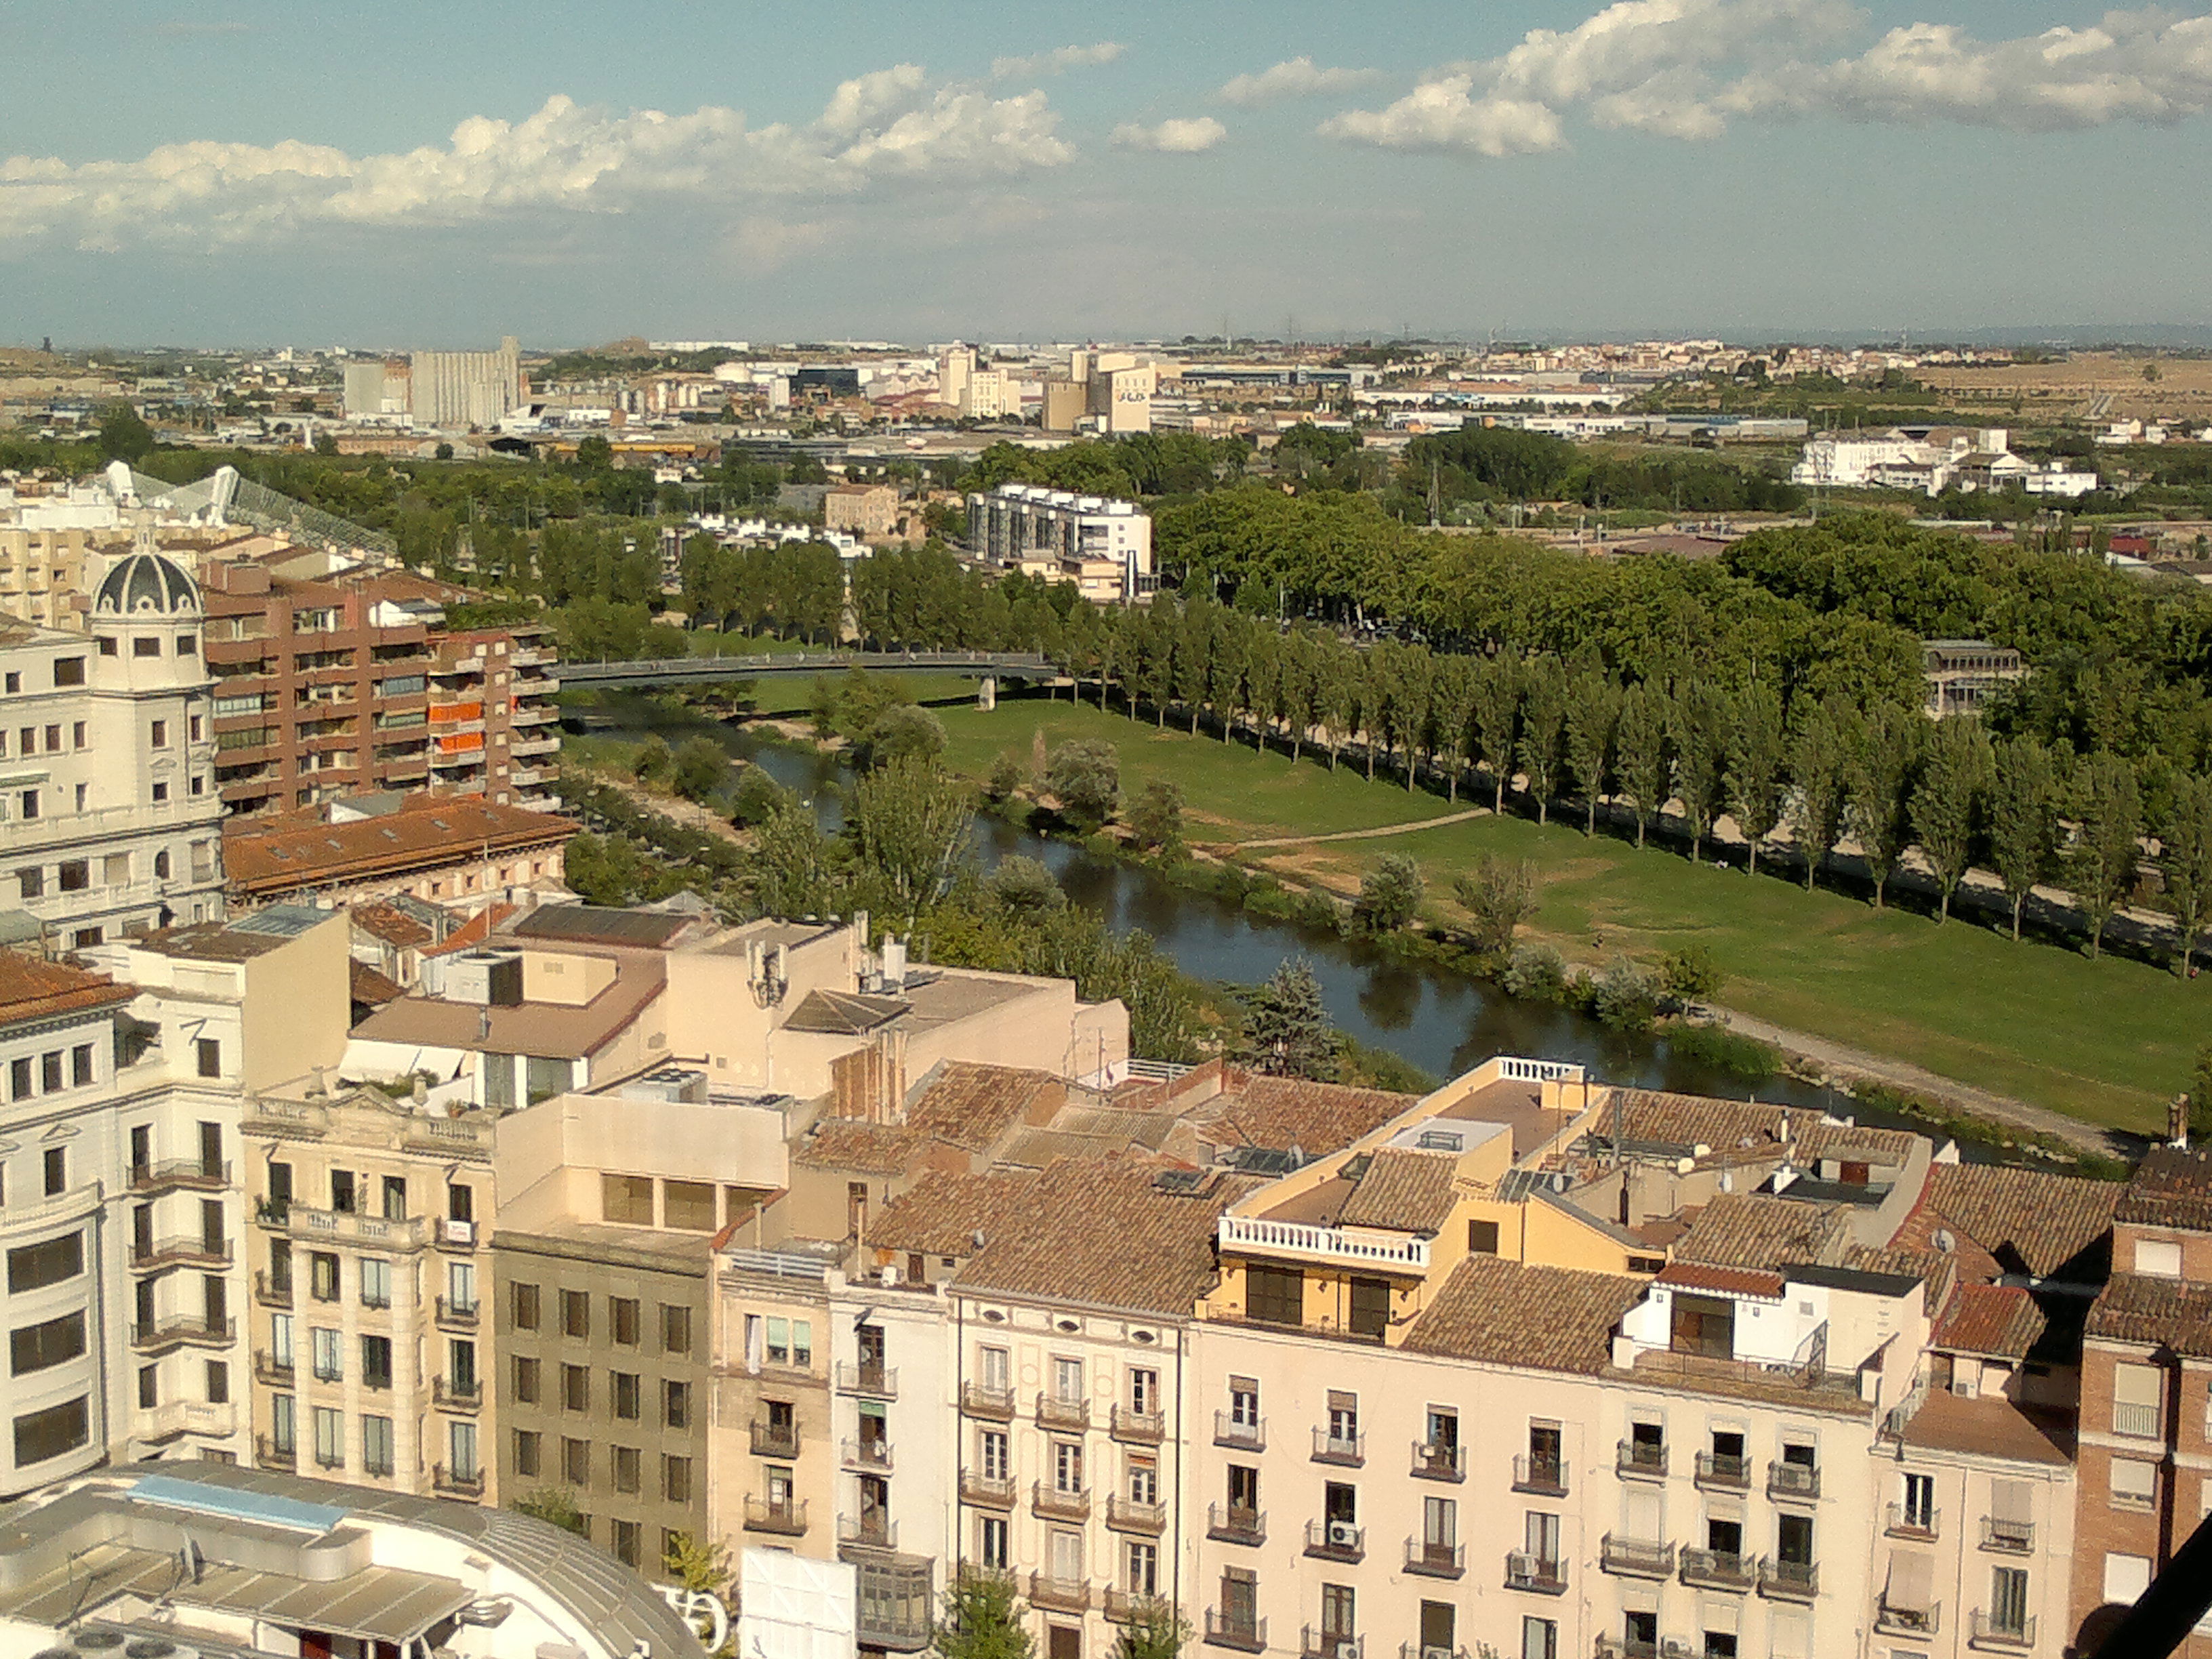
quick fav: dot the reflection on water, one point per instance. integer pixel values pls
(1442, 1022)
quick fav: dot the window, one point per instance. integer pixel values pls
(461, 1286)
(54, 1342)
(1540, 1639)
(280, 1341)
(1439, 1522)
(675, 1329)
(2158, 1258)
(1343, 1420)
(526, 1380)
(1275, 1295)
(27, 805)
(31, 882)
(461, 1448)
(625, 1463)
(627, 1199)
(79, 735)
(208, 1053)
(395, 1198)
(2126, 1577)
(329, 1360)
(622, 1314)
(323, 1276)
(158, 734)
(787, 1341)
(69, 671)
(56, 1158)
(34, 1267)
(575, 1388)
(688, 1206)
(676, 1404)
(1067, 1381)
(1704, 1325)
(576, 1463)
(1068, 1466)
(575, 1314)
(675, 1480)
(1244, 1402)
(80, 1066)
(376, 1445)
(74, 875)
(1143, 1393)
(1144, 1479)
(1240, 1599)
(525, 1297)
(2135, 1484)
(994, 1452)
(2138, 1391)
(2009, 1600)
(527, 1448)
(341, 1192)
(1918, 1512)
(626, 1395)
(284, 1423)
(23, 1078)
(1243, 1489)
(1370, 1307)
(375, 1283)
(627, 1539)
(145, 647)
(991, 1542)
(1142, 1572)
(51, 1432)
(330, 1438)
(376, 1362)
(1339, 1613)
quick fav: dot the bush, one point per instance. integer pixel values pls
(1744, 1058)
(1498, 896)
(1084, 777)
(1389, 895)
(1024, 885)
(906, 732)
(1536, 974)
(1156, 820)
(654, 765)
(1690, 974)
(700, 766)
(1625, 996)
(556, 1505)
(1006, 780)
(758, 798)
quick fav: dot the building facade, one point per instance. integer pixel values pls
(1069, 537)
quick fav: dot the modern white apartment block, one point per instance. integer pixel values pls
(1106, 545)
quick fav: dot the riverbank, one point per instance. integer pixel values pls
(2102, 1043)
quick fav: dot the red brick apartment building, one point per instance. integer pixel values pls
(331, 687)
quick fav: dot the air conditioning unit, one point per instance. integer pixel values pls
(1343, 1536)
(1347, 1650)
(1520, 1564)
(1436, 1653)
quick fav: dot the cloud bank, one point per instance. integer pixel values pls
(1295, 77)
(1173, 137)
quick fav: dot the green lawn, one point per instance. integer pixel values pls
(2108, 1041)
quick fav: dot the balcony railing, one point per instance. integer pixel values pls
(1546, 1476)
(268, 1455)
(209, 1174)
(1231, 1524)
(1908, 1622)
(175, 1417)
(1905, 1522)
(980, 1400)
(874, 1530)
(2006, 1635)
(774, 1439)
(1246, 1635)
(1640, 1459)
(991, 1492)
(787, 1517)
(1330, 1644)
(1348, 1449)
(1718, 1570)
(1416, 1651)
(1634, 1557)
(1434, 1560)
(1053, 1413)
(457, 1483)
(1128, 1515)
(171, 1329)
(271, 1293)
(344, 1227)
(185, 1249)
(457, 1316)
(2009, 1537)
(874, 1455)
(452, 1396)
(1788, 1580)
(1246, 1235)
(1060, 1594)
(266, 1369)
(1727, 1471)
(1527, 1571)
(1788, 1480)
(1143, 1428)
(879, 1380)
(1336, 1541)
(2137, 1422)
(1433, 1460)
(1060, 1505)
(1244, 1437)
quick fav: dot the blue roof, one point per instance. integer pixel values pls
(270, 1509)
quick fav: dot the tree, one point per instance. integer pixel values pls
(700, 764)
(653, 764)
(1024, 885)
(794, 863)
(1593, 711)
(909, 822)
(1156, 817)
(1690, 974)
(1389, 895)
(1006, 778)
(1084, 777)
(758, 798)
(1819, 766)
(555, 1505)
(1497, 711)
(696, 1564)
(1884, 762)
(1543, 726)
(2200, 1095)
(123, 436)
(1155, 1630)
(907, 732)
(2186, 861)
(982, 1619)
(594, 453)
(1644, 765)
(1755, 771)
(2023, 819)
(1702, 719)
(1287, 1032)
(1499, 895)
(2108, 816)
(1948, 803)
(1625, 996)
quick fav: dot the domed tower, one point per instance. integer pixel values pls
(146, 619)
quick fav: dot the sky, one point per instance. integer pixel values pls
(231, 172)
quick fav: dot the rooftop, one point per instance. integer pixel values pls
(242, 940)
(1505, 1313)
(2158, 1312)
(1990, 1426)
(594, 924)
(973, 1106)
(34, 990)
(297, 851)
(549, 1030)
(1754, 1229)
(1280, 1113)
(2000, 1321)
(2170, 1187)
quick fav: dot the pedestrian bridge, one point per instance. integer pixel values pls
(786, 664)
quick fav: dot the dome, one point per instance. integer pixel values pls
(149, 585)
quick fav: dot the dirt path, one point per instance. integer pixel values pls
(1357, 835)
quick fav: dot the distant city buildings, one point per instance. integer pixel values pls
(1103, 546)
(459, 389)
(1931, 459)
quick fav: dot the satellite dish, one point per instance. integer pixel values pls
(1944, 1241)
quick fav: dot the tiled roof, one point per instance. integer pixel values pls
(1726, 1281)
(1753, 1229)
(839, 1143)
(1998, 1320)
(940, 1214)
(972, 1106)
(429, 832)
(367, 984)
(1403, 1191)
(474, 931)
(33, 989)
(392, 924)
(1282, 1112)
(2028, 1221)
(2170, 1187)
(1552, 1319)
(1732, 1126)
(2163, 1312)
(842, 1013)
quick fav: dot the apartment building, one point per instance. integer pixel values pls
(868, 511)
(474, 389)
(460, 850)
(109, 802)
(1104, 545)
(45, 572)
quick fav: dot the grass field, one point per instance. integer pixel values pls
(2109, 1041)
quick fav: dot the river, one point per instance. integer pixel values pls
(1440, 1020)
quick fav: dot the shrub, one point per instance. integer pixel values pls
(699, 768)
(1498, 896)
(1084, 777)
(1536, 974)
(1155, 819)
(1625, 996)
(1006, 779)
(654, 763)
(758, 798)
(906, 732)
(1690, 974)
(1024, 885)
(1389, 895)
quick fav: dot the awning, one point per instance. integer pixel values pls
(1912, 1580)
(2008, 1500)
(381, 1604)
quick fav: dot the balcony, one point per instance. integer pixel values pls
(2008, 1537)
(267, 1370)
(778, 1440)
(1336, 1541)
(1718, 1570)
(1129, 1515)
(872, 1531)
(2137, 1422)
(989, 1492)
(176, 1416)
(871, 1455)
(1138, 1428)
(1060, 1594)
(1546, 1476)
(177, 1330)
(1632, 1557)
(1229, 1524)
(877, 1382)
(982, 1399)
(1053, 1413)
(344, 1227)
(1433, 1460)
(1640, 1460)
(1330, 1644)
(543, 745)
(1058, 1505)
(268, 1454)
(1241, 1436)
(1347, 1451)
(201, 1175)
(785, 1517)
(1724, 1471)
(1243, 1633)
(1788, 1483)
(1246, 1236)
(451, 1395)
(1922, 1524)
(1788, 1580)
(457, 1315)
(2001, 1636)
(270, 1293)
(1415, 1650)
(455, 1484)
(1436, 1560)
(1895, 1620)
(1526, 1572)
(186, 1251)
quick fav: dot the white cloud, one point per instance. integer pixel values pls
(891, 125)
(1173, 137)
(1058, 61)
(1683, 68)
(1295, 77)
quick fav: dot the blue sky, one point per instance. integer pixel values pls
(219, 172)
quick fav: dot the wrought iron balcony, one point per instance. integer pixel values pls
(1245, 1634)
(1787, 1481)
(1230, 1524)
(1718, 1570)
(1336, 1541)
(990, 1491)
(1128, 1514)
(1633, 1558)
(1140, 1428)
(1433, 1460)
(1059, 1506)
(2008, 1537)
(1640, 1459)
(1525, 1571)
(2006, 1635)
(1052, 1414)
(786, 1516)
(1349, 1450)
(1545, 1476)
(1243, 1436)
(1433, 1560)
(1060, 1594)
(1723, 1471)
(774, 1439)
(1788, 1580)
(980, 1400)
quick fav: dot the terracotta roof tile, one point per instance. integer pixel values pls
(972, 1106)
(2026, 1220)
(367, 984)
(1753, 1230)
(34, 990)
(1732, 1126)
(940, 1213)
(1726, 1281)
(1403, 1191)
(393, 925)
(264, 861)
(1281, 1112)
(2163, 1312)
(1998, 1320)
(2170, 1187)
(854, 1143)
(1552, 1319)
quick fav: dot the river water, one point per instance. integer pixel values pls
(1442, 1021)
